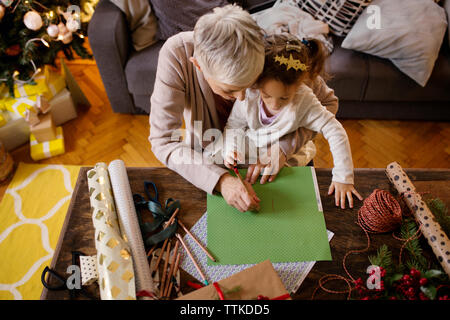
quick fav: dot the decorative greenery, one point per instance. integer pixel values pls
(23, 51)
(440, 212)
(416, 279)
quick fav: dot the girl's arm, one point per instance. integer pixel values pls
(321, 120)
(234, 134)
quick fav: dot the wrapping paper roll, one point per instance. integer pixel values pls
(432, 231)
(128, 220)
(114, 261)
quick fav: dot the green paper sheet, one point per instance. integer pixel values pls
(288, 228)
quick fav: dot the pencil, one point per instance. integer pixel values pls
(236, 171)
(172, 266)
(177, 263)
(192, 258)
(161, 253)
(165, 226)
(196, 241)
(163, 277)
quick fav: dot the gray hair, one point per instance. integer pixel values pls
(228, 45)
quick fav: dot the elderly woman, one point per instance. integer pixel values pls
(199, 76)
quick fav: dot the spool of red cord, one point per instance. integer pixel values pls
(380, 213)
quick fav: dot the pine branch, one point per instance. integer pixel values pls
(416, 260)
(440, 212)
(383, 258)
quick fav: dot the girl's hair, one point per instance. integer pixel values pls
(309, 52)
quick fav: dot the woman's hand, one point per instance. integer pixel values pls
(238, 195)
(341, 191)
(269, 168)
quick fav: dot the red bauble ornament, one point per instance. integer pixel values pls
(14, 50)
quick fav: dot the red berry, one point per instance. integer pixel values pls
(422, 296)
(365, 298)
(393, 298)
(414, 273)
(423, 281)
(411, 291)
(406, 277)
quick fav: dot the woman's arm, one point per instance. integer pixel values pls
(166, 118)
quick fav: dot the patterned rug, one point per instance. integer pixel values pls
(32, 213)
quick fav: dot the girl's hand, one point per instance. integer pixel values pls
(342, 190)
(269, 168)
(231, 158)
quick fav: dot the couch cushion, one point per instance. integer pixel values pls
(387, 83)
(349, 73)
(140, 69)
(175, 16)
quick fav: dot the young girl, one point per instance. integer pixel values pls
(280, 103)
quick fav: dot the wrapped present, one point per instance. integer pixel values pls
(3, 119)
(260, 282)
(21, 105)
(15, 132)
(63, 108)
(45, 130)
(42, 104)
(55, 83)
(31, 117)
(47, 149)
(46, 82)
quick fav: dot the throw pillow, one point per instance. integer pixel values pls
(410, 35)
(175, 16)
(141, 21)
(340, 15)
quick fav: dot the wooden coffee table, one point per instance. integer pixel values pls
(77, 233)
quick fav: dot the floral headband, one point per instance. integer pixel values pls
(291, 62)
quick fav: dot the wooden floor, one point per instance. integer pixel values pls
(98, 134)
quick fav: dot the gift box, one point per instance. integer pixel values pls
(260, 282)
(46, 82)
(55, 83)
(21, 105)
(3, 119)
(45, 130)
(47, 149)
(63, 108)
(15, 132)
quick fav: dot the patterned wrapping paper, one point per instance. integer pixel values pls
(292, 274)
(432, 231)
(114, 260)
(129, 225)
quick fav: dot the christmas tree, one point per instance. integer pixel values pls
(32, 33)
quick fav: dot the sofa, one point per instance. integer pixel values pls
(368, 87)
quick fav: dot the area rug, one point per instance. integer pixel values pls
(32, 213)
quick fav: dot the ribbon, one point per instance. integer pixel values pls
(160, 215)
(260, 297)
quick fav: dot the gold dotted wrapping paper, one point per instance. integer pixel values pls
(114, 261)
(432, 231)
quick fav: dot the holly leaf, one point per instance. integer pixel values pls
(432, 273)
(429, 291)
(395, 277)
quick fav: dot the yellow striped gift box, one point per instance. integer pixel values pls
(47, 149)
(21, 104)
